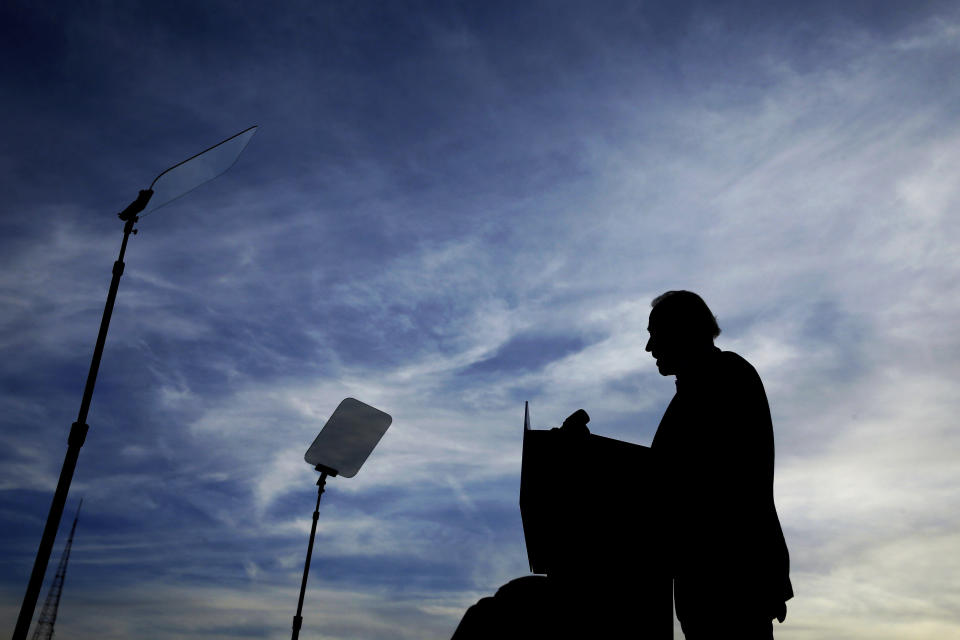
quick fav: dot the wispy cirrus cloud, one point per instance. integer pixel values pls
(445, 213)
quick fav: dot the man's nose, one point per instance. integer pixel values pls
(648, 348)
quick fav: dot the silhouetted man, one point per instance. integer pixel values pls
(714, 449)
(712, 524)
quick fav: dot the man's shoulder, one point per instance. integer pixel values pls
(732, 363)
(733, 359)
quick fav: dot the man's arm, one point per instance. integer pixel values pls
(576, 423)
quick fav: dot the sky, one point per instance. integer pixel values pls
(450, 208)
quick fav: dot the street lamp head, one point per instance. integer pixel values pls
(348, 438)
(187, 175)
(136, 206)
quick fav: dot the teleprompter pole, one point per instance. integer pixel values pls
(78, 431)
(321, 483)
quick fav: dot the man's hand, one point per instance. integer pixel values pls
(576, 423)
(781, 614)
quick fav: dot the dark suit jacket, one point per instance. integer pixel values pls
(714, 450)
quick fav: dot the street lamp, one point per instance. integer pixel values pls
(169, 185)
(341, 448)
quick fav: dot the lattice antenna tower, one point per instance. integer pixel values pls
(48, 615)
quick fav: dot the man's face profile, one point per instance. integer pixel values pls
(682, 330)
(663, 345)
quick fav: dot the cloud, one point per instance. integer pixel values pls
(447, 213)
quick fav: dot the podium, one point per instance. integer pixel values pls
(589, 511)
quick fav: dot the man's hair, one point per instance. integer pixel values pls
(688, 313)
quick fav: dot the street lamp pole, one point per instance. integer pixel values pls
(170, 185)
(341, 448)
(78, 430)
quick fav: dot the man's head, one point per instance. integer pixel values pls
(682, 328)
